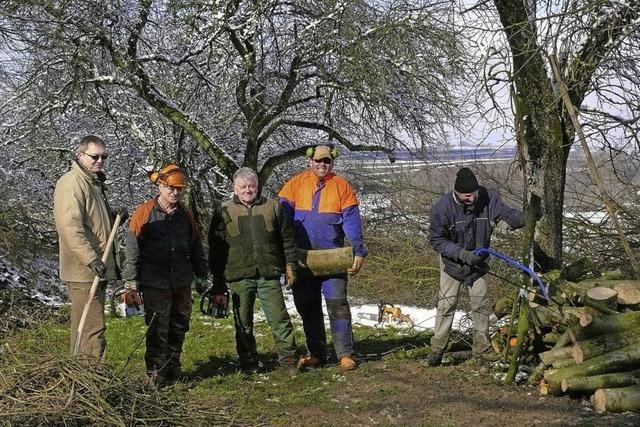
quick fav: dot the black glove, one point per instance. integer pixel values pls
(470, 258)
(98, 267)
(122, 211)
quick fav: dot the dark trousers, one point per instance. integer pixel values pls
(308, 299)
(167, 315)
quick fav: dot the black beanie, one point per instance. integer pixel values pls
(466, 181)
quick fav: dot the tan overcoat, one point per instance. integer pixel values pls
(83, 223)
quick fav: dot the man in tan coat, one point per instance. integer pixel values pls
(83, 222)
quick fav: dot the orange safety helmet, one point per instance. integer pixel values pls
(170, 174)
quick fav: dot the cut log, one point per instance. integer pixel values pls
(550, 387)
(623, 359)
(590, 384)
(325, 262)
(628, 290)
(588, 349)
(627, 294)
(617, 399)
(548, 357)
(571, 313)
(504, 304)
(536, 375)
(608, 297)
(572, 290)
(563, 363)
(607, 324)
(547, 315)
(550, 338)
(586, 318)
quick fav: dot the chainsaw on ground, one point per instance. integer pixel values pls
(390, 313)
(126, 302)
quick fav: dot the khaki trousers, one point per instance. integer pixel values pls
(93, 341)
(447, 303)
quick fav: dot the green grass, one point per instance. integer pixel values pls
(211, 379)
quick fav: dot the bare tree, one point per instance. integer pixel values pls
(598, 44)
(250, 83)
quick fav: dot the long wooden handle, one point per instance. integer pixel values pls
(94, 285)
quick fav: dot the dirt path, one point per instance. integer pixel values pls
(408, 393)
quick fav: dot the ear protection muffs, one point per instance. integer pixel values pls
(333, 152)
(163, 174)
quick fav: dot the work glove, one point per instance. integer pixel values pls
(98, 267)
(358, 261)
(131, 285)
(290, 275)
(470, 258)
(122, 211)
(201, 284)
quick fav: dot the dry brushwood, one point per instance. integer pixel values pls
(66, 392)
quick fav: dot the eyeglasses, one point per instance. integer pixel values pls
(95, 157)
(326, 161)
(173, 189)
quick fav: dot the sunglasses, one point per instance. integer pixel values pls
(173, 189)
(95, 157)
(326, 161)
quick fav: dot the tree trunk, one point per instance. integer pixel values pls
(585, 350)
(539, 131)
(590, 384)
(617, 399)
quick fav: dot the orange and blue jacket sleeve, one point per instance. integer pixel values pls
(352, 223)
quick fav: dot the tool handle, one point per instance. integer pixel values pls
(512, 262)
(94, 285)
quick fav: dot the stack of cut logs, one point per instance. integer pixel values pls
(598, 350)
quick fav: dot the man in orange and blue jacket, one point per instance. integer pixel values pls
(324, 210)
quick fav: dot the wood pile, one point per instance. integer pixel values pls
(594, 329)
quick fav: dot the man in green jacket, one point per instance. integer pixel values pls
(83, 222)
(251, 245)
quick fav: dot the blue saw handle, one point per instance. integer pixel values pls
(512, 262)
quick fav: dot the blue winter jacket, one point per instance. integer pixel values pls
(454, 226)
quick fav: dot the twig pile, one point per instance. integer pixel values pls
(65, 392)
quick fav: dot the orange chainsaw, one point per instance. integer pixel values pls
(388, 312)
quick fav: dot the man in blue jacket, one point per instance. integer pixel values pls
(462, 221)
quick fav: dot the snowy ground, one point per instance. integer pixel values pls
(367, 315)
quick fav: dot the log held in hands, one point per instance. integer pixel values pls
(325, 262)
(94, 285)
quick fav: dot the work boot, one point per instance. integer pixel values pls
(250, 367)
(155, 379)
(289, 366)
(309, 362)
(347, 363)
(434, 359)
(173, 373)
